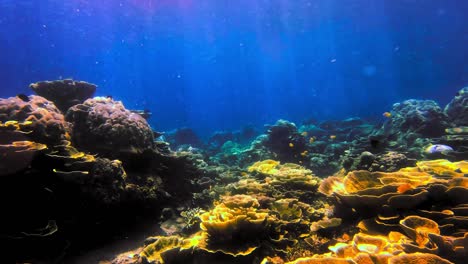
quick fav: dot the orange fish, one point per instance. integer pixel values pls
(332, 137)
(404, 187)
(304, 153)
(346, 237)
(387, 114)
(448, 212)
(291, 145)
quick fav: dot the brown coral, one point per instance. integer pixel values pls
(102, 125)
(46, 124)
(64, 93)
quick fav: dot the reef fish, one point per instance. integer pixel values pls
(437, 148)
(387, 114)
(23, 97)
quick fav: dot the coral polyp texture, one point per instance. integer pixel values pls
(46, 122)
(64, 93)
(102, 125)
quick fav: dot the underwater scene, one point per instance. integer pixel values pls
(249, 131)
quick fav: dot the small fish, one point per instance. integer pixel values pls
(387, 114)
(438, 148)
(311, 140)
(332, 137)
(404, 187)
(23, 97)
(291, 145)
(457, 130)
(345, 237)
(447, 212)
(304, 133)
(304, 153)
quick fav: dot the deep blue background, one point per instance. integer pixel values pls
(221, 64)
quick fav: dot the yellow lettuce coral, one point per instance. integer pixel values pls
(265, 166)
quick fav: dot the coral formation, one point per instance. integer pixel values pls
(45, 122)
(393, 194)
(457, 108)
(64, 93)
(102, 125)
(416, 201)
(387, 162)
(284, 140)
(423, 117)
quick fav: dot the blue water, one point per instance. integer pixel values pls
(222, 64)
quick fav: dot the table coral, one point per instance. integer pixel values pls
(64, 93)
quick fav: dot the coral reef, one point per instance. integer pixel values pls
(252, 217)
(285, 141)
(395, 193)
(387, 162)
(422, 117)
(457, 108)
(102, 125)
(46, 124)
(183, 136)
(76, 197)
(417, 201)
(64, 93)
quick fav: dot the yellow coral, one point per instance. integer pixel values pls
(442, 167)
(265, 166)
